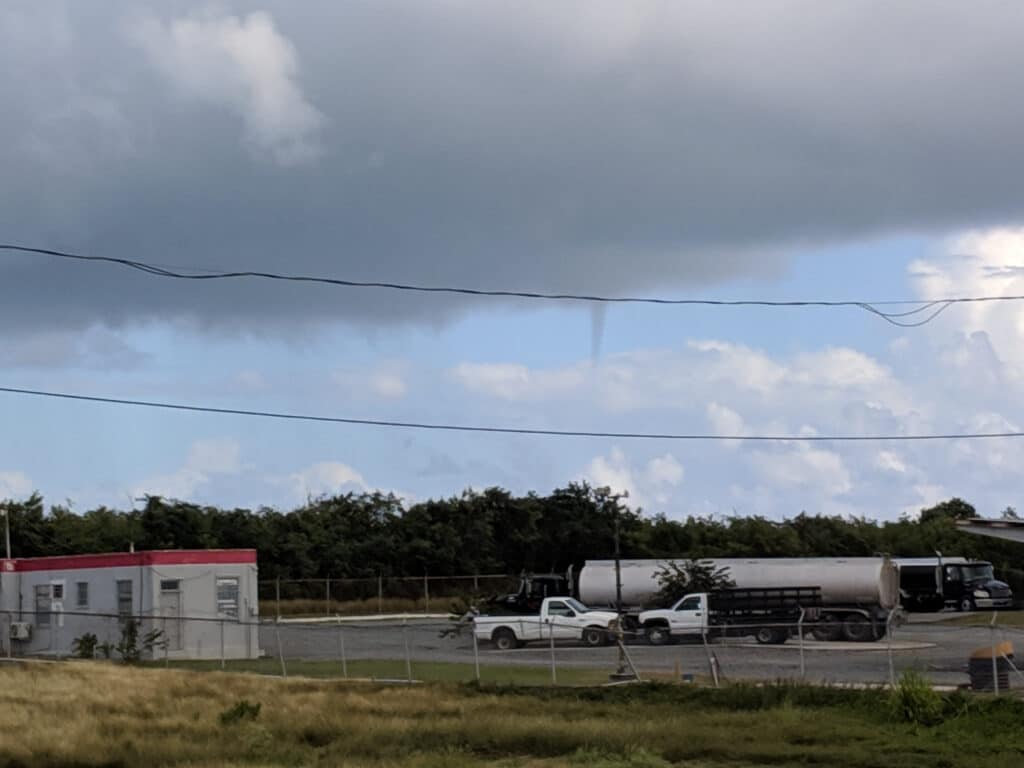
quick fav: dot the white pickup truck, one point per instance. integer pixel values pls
(770, 615)
(561, 617)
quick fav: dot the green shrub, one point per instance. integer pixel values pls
(131, 648)
(913, 700)
(84, 647)
(241, 711)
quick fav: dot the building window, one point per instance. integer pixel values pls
(57, 591)
(82, 594)
(124, 599)
(227, 596)
(170, 585)
(42, 605)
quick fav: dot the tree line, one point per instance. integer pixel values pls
(481, 532)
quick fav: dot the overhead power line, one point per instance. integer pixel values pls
(922, 312)
(436, 426)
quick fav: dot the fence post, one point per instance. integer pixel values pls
(476, 652)
(551, 632)
(408, 655)
(995, 656)
(711, 659)
(889, 629)
(223, 660)
(328, 613)
(380, 593)
(280, 650)
(341, 650)
(476, 583)
(277, 596)
(426, 592)
(800, 634)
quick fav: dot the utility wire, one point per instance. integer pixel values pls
(924, 312)
(511, 430)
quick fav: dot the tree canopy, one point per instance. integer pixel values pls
(481, 532)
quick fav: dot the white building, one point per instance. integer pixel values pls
(204, 601)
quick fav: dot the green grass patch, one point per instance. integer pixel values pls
(94, 713)
(383, 670)
(1004, 618)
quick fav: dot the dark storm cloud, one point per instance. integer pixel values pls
(597, 146)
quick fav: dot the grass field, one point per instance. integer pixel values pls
(370, 607)
(97, 714)
(984, 619)
(396, 670)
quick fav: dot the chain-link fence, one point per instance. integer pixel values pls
(947, 650)
(376, 595)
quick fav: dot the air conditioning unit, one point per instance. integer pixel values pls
(21, 630)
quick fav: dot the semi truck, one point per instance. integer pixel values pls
(857, 594)
(558, 618)
(771, 616)
(934, 583)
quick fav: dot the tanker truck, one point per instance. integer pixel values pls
(857, 595)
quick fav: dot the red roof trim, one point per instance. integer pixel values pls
(133, 559)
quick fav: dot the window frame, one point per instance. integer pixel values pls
(79, 602)
(226, 607)
(43, 617)
(121, 612)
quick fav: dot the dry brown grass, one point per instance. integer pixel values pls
(96, 714)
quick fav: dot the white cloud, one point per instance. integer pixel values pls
(726, 422)
(517, 382)
(388, 385)
(653, 483)
(804, 467)
(665, 470)
(890, 461)
(978, 263)
(206, 460)
(387, 381)
(243, 64)
(15, 485)
(326, 477)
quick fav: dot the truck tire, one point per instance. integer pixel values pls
(771, 636)
(595, 637)
(504, 639)
(857, 629)
(966, 605)
(829, 629)
(658, 634)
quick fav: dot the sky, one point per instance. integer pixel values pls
(784, 150)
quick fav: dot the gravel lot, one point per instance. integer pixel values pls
(929, 644)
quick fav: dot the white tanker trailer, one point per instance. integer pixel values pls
(857, 594)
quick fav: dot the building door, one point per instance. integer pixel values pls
(43, 617)
(170, 612)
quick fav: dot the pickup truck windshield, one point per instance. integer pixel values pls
(577, 606)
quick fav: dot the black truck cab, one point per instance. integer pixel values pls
(932, 584)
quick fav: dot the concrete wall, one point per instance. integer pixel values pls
(180, 600)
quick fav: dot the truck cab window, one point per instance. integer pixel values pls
(560, 609)
(690, 604)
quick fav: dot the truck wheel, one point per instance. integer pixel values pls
(658, 634)
(858, 629)
(966, 605)
(771, 636)
(504, 639)
(828, 630)
(594, 637)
